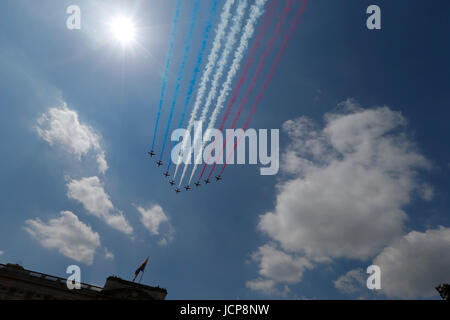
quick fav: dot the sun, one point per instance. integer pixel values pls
(123, 30)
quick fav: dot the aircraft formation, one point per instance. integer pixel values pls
(238, 21)
(172, 182)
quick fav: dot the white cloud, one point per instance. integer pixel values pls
(163, 242)
(61, 126)
(350, 105)
(346, 187)
(152, 219)
(70, 236)
(427, 192)
(90, 192)
(1, 252)
(279, 266)
(267, 287)
(413, 265)
(262, 285)
(102, 164)
(352, 282)
(108, 254)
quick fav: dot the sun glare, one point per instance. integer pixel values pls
(123, 30)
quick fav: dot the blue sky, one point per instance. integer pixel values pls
(375, 106)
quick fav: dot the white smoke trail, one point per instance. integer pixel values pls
(256, 11)
(229, 43)
(212, 58)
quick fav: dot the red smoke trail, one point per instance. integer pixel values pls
(257, 74)
(266, 23)
(287, 37)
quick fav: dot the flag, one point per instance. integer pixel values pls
(141, 268)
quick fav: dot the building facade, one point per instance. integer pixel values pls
(17, 283)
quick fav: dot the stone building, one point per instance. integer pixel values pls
(17, 283)
(444, 291)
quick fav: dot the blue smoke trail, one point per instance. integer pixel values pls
(166, 67)
(180, 72)
(197, 66)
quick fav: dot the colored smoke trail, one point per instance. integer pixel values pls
(287, 37)
(257, 74)
(201, 53)
(180, 72)
(221, 64)
(251, 58)
(255, 13)
(212, 58)
(166, 67)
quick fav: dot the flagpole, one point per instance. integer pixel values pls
(143, 271)
(141, 276)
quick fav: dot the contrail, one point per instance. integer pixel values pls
(256, 11)
(180, 72)
(255, 77)
(287, 37)
(212, 58)
(166, 67)
(229, 43)
(251, 58)
(201, 53)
